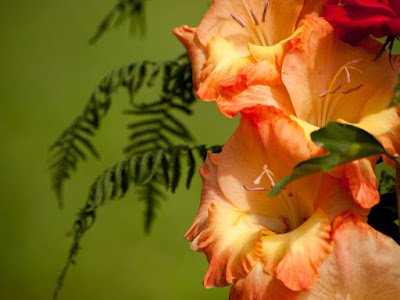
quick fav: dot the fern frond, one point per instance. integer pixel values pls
(148, 171)
(76, 140)
(122, 10)
(158, 123)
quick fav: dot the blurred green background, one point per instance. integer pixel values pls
(48, 71)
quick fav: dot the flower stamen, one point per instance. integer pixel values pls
(326, 107)
(264, 14)
(254, 17)
(353, 89)
(237, 19)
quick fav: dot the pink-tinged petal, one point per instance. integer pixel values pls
(333, 199)
(362, 182)
(294, 257)
(222, 63)
(234, 99)
(210, 192)
(232, 244)
(197, 53)
(326, 85)
(258, 285)
(364, 264)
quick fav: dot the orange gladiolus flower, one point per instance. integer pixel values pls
(326, 80)
(244, 38)
(269, 247)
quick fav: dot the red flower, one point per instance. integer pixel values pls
(354, 20)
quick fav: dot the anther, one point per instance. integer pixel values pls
(254, 16)
(336, 88)
(324, 93)
(264, 14)
(353, 89)
(237, 19)
(257, 189)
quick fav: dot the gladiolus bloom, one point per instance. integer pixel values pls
(247, 37)
(326, 80)
(265, 244)
(354, 20)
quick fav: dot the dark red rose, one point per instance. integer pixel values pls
(353, 20)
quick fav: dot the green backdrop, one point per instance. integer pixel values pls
(47, 72)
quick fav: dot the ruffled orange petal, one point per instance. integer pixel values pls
(222, 63)
(209, 193)
(233, 99)
(258, 285)
(197, 53)
(232, 244)
(359, 177)
(364, 264)
(294, 257)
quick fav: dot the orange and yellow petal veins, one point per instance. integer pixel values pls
(363, 264)
(294, 257)
(197, 53)
(232, 243)
(259, 285)
(223, 61)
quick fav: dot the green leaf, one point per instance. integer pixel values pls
(348, 140)
(345, 143)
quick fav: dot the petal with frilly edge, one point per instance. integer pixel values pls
(258, 285)
(294, 257)
(222, 63)
(359, 178)
(232, 244)
(328, 79)
(232, 101)
(364, 264)
(197, 53)
(209, 193)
